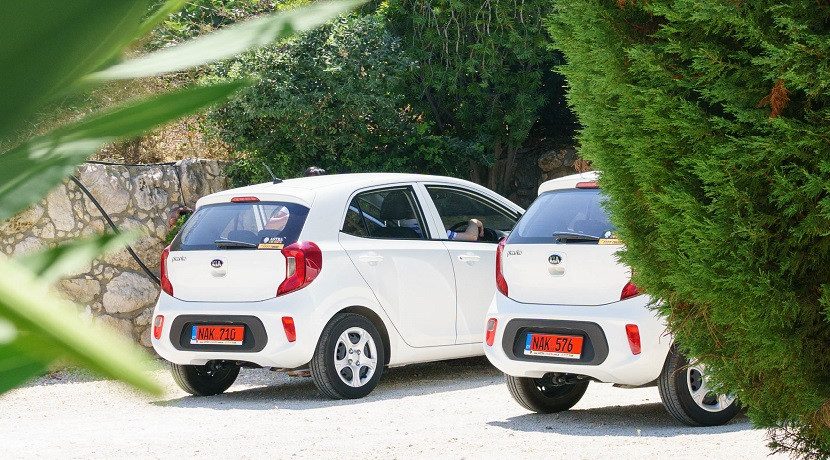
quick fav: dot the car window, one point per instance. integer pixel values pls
(388, 213)
(457, 207)
(565, 216)
(248, 223)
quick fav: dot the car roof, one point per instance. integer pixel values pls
(568, 181)
(304, 189)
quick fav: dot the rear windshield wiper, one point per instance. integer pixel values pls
(564, 237)
(231, 244)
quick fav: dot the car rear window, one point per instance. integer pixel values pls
(564, 216)
(216, 226)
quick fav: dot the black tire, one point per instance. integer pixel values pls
(323, 370)
(210, 379)
(538, 396)
(676, 393)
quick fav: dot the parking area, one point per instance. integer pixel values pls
(452, 409)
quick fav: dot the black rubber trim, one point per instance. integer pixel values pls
(594, 347)
(255, 336)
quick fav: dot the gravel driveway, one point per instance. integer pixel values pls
(454, 409)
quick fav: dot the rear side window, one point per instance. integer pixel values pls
(564, 216)
(388, 214)
(219, 226)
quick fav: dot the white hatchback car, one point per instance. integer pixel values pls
(567, 313)
(340, 274)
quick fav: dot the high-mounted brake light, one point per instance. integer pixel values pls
(589, 184)
(490, 337)
(288, 327)
(303, 262)
(629, 291)
(633, 333)
(501, 283)
(166, 285)
(158, 324)
(244, 199)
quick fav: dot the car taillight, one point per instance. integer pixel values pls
(288, 327)
(633, 333)
(628, 291)
(491, 331)
(303, 262)
(244, 199)
(501, 283)
(158, 323)
(166, 286)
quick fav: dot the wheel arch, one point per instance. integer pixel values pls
(370, 314)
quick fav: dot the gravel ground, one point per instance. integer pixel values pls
(453, 409)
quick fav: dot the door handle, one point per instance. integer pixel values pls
(370, 259)
(469, 258)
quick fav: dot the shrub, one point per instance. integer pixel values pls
(709, 120)
(332, 98)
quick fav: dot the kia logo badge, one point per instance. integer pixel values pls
(216, 263)
(555, 259)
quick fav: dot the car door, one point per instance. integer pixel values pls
(386, 236)
(474, 262)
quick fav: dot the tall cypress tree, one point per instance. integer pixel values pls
(710, 121)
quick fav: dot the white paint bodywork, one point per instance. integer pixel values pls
(589, 291)
(431, 304)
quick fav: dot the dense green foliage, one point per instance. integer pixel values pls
(484, 74)
(331, 98)
(709, 120)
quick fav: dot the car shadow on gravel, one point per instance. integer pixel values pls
(274, 390)
(650, 419)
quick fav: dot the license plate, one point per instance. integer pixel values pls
(556, 346)
(217, 335)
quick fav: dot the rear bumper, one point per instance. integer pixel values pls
(607, 355)
(265, 341)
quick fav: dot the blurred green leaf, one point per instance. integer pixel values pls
(32, 169)
(17, 364)
(227, 42)
(48, 45)
(53, 263)
(28, 304)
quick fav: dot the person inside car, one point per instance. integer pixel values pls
(396, 207)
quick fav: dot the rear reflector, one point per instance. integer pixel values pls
(591, 184)
(288, 327)
(166, 285)
(633, 333)
(629, 291)
(244, 199)
(158, 324)
(501, 283)
(491, 331)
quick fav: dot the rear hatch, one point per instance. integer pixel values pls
(230, 252)
(562, 251)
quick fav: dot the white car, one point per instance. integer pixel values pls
(340, 274)
(567, 313)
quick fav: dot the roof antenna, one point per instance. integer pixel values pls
(274, 178)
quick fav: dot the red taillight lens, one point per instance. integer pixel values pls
(288, 327)
(629, 290)
(633, 333)
(158, 323)
(491, 331)
(244, 199)
(303, 262)
(166, 286)
(590, 184)
(501, 283)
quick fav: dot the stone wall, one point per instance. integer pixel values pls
(114, 289)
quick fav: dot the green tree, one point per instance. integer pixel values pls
(709, 120)
(330, 98)
(484, 74)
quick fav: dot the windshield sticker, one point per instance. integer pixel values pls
(270, 246)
